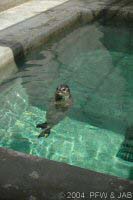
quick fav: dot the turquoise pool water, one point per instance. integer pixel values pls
(96, 61)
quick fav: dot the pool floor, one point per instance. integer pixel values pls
(99, 73)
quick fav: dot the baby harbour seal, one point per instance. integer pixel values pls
(57, 109)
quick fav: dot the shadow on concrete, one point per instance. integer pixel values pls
(17, 49)
(119, 4)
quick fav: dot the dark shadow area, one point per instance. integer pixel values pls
(124, 47)
(121, 38)
(126, 150)
(17, 49)
(20, 144)
(131, 174)
(107, 14)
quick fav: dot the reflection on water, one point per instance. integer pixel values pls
(100, 78)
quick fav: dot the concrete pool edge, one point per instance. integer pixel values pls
(10, 3)
(24, 176)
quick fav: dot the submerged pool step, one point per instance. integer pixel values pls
(6, 4)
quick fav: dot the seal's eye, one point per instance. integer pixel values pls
(63, 89)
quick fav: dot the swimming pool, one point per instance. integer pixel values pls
(96, 62)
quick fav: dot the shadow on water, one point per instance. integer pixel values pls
(125, 47)
(131, 174)
(20, 144)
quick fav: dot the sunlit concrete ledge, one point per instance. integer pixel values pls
(6, 4)
(26, 10)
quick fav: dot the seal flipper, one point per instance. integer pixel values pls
(43, 125)
(44, 133)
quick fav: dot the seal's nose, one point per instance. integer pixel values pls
(59, 92)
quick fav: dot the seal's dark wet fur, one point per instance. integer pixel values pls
(57, 109)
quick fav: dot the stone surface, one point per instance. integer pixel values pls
(24, 11)
(25, 177)
(11, 67)
(6, 4)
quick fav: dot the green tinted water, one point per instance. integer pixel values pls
(96, 62)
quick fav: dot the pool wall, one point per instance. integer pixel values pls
(27, 177)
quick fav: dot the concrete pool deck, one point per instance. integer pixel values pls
(24, 176)
(6, 4)
(26, 10)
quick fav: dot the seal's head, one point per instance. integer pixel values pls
(62, 93)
